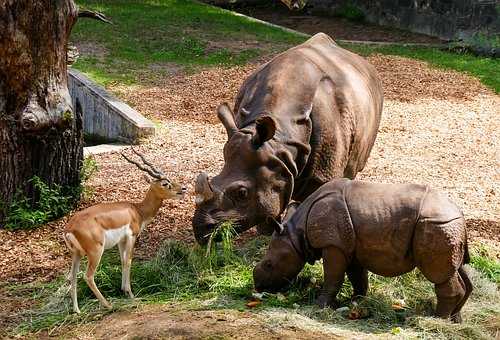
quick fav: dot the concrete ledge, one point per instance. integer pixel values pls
(105, 117)
(103, 148)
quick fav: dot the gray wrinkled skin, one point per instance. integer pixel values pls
(388, 229)
(309, 115)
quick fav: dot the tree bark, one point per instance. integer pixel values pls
(41, 134)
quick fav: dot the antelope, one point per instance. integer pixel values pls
(91, 231)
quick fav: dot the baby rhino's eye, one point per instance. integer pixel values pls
(268, 265)
(242, 193)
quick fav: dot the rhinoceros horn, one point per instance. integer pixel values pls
(202, 188)
(226, 117)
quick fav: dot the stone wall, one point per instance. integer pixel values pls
(447, 19)
(105, 117)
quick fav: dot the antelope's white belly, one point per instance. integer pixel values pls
(113, 236)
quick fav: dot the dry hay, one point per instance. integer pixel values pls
(433, 131)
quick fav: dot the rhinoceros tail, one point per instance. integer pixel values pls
(466, 252)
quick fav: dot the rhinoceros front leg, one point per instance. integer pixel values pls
(359, 279)
(334, 268)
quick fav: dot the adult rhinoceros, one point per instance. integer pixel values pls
(309, 115)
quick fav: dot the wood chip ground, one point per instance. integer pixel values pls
(438, 127)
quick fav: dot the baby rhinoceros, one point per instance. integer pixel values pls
(388, 229)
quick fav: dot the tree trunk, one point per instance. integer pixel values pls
(41, 134)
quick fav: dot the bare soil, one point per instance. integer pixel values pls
(336, 27)
(170, 322)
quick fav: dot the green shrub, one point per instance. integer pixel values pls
(349, 11)
(52, 202)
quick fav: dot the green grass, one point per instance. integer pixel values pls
(191, 34)
(183, 32)
(220, 277)
(486, 264)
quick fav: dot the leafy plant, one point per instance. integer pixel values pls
(89, 168)
(52, 203)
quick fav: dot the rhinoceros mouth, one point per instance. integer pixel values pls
(203, 232)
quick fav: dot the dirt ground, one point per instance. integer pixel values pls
(170, 322)
(438, 127)
(336, 27)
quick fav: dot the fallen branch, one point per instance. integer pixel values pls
(94, 15)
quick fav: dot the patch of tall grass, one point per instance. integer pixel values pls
(220, 276)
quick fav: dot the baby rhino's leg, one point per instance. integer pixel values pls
(439, 254)
(334, 267)
(450, 294)
(455, 315)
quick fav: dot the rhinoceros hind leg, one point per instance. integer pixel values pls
(450, 294)
(359, 279)
(334, 267)
(455, 315)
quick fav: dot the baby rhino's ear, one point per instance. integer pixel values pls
(278, 227)
(290, 210)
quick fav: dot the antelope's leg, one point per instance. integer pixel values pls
(122, 249)
(75, 268)
(129, 250)
(334, 267)
(93, 261)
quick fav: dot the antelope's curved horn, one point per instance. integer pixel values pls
(151, 166)
(142, 167)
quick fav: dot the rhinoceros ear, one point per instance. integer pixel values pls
(290, 209)
(265, 127)
(226, 116)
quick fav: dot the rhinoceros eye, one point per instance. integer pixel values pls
(242, 194)
(268, 265)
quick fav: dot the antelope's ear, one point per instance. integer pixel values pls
(265, 127)
(147, 178)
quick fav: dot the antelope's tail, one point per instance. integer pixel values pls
(73, 244)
